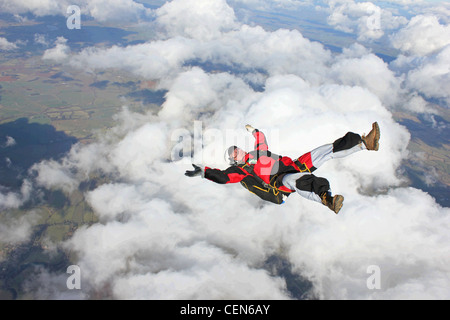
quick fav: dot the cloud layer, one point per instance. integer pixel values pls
(162, 235)
(101, 10)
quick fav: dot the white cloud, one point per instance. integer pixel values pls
(10, 199)
(152, 60)
(365, 19)
(433, 75)
(437, 8)
(357, 67)
(116, 10)
(423, 35)
(199, 19)
(51, 174)
(6, 45)
(428, 75)
(16, 230)
(100, 10)
(136, 154)
(37, 7)
(195, 92)
(41, 39)
(59, 53)
(268, 5)
(166, 255)
(249, 48)
(402, 232)
(10, 141)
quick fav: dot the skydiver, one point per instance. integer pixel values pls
(280, 176)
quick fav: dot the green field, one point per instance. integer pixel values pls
(71, 100)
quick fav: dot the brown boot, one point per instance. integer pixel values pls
(334, 203)
(371, 140)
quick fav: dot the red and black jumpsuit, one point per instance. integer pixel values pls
(285, 174)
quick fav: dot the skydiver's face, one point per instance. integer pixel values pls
(238, 155)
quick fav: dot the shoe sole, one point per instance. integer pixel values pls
(374, 145)
(338, 203)
(377, 135)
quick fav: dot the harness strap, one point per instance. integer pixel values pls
(302, 167)
(273, 182)
(277, 178)
(250, 170)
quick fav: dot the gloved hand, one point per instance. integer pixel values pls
(249, 128)
(192, 173)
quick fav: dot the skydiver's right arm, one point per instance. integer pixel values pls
(260, 138)
(230, 175)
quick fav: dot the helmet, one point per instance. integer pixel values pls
(228, 155)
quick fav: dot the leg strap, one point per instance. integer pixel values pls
(346, 142)
(311, 183)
